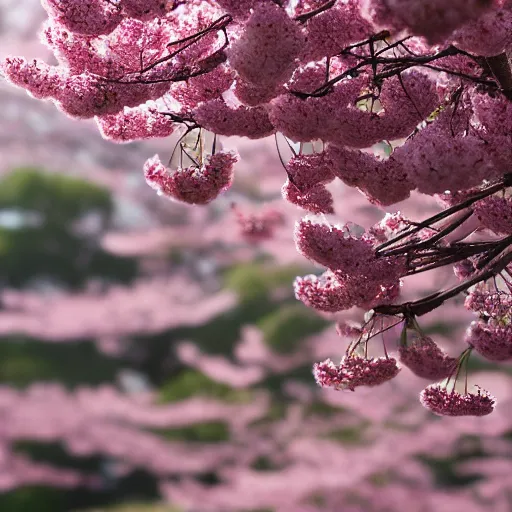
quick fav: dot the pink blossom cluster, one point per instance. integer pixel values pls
(193, 185)
(110, 55)
(355, 276)
(452, 403)
(492, 341)
(495, 304)
(135, 124)
(422, 355)
(316, 200)
(354, 371)
(435, 20)
(305, 186)
(425, 359)
(495, 213)
(491, 334)
(255, 227)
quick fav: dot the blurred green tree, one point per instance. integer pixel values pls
(50, 229)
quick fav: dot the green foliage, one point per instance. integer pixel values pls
(477, 363)
(218, 336)
(322, 409)
(349, 435)
(445, 472)
(24, 361)
(190, 383)
(277, 411)
(280, 402)
(444, 469)
(45, 252)
(274, 382)
(255, 281)
(381, 478)
(32, 499)
(136, 492)
(442, 328)
(263, 463)
(208, 432)
(58, 197)
(44, 241)
(221, 334)
(53, 453)
(287, 326)
(247, 281)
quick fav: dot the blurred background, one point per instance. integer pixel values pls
(153, 357)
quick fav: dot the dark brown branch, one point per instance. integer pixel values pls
(491, 189)
(396, 44)
(325, 89)
(416, 245)
(428, 304)
(219, 24)
(496, 71)
(402, 63)
(501, 69)
(302, 18)
(441, 260)
(380, 36)
(501, 245)
(472, 78)
(442, 256)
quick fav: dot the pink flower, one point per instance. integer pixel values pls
(488, 35)
(265, 52)
(306, 171)
(354, 371)
(451, 403)
(439, 161)
(377, 178)
(202, 88)
(36, 77)
(316, 199)
(144, 10)
(463, 269)
(425, 359)
(332, 246)
(135, 124)
(494, 342)
(495, 213)
(348, 330)
(257, 227)
(497, 304)
(329, 32)
(85, 16)
(323, 293)
(192, 185)
(216, 116)
(434, 19)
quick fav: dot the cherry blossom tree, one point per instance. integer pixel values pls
(404, 101)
